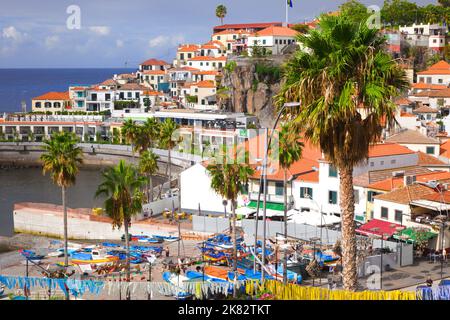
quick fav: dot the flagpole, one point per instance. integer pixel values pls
(287, 13)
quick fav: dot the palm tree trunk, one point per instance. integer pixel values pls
(127, 246)
(347, 204)
(285, 228)
(233, 234)
(66, 254)
(148, 188)
(170, 180)
(151, 188)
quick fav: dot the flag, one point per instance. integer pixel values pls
(289, 2)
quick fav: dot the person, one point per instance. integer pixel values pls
(167, 252)
(151, 213)
(198, 269)
(429, 282)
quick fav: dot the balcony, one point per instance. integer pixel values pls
(271, 198)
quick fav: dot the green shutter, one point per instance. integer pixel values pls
(302, 192)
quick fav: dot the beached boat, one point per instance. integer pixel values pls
(216, 272)
(166, 238)
(200, 276)
(177, 281)
(98, 256)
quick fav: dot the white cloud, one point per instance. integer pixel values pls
(100, 30)
(119, 43)
(51, 41)
(13, 34)
(162, 41)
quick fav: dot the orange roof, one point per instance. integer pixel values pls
(428, 160)
(215, 42)
(423, 85)
(158, 72)
(188, 48)
(204, 84)
(442, 67)
(205, 72)
(209, 46)
(398, 182)
(438, 197)
(406, 194)
(443, 93)
(406, 114)
(388, 149)
(203, 58)
(152, 93)
(54, 96)
(402, 100)
(154, 62)
(445, 149)
(277, 31)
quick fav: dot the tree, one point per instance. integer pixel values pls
(444, 3)
(399, 12)
(146, 135)
(228, 179)
(345, 82)
(121, 186)
(62, 158)
(168, 141)
(300, 27)
(221, 12)
(355, 11)
(130, 131)
(290, 151)
(148, 166)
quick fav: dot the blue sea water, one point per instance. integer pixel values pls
(24, 84)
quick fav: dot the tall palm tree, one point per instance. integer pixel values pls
(168, 141)
(221, 12)
(228, 179)
(147, 135)
(290, 151)
(148, 166)
(62, 158)
(121, 186)
(345, 82)
(130, 131)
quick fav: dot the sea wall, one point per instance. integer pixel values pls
(26, 154)
(47, 220)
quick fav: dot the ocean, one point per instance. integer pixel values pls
(17, 85)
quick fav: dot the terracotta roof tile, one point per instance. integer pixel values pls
(406, 194)
(426, 159)
(277, 31)
(425, 109)
(442, 67)
(154, 62)
(54, 96)
(387, 149)
(411, 137)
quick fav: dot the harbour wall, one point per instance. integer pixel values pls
(47, 220)
(24, 154)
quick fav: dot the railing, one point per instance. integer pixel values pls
(271, 198)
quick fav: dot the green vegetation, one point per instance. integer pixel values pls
(120, 105)
(344, 69)
(221, 12)
(300, 27)
(230, 66)
(191, 99)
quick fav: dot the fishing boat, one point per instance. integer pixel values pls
(199, 276)
(98, 256)
(177, 281)
(216, 272)
(2, 290)
(166, 238)
(31, 255)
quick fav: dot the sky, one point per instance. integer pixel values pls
(117, 33)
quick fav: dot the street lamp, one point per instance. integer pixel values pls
(263, 181)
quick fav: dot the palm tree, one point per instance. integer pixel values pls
(62, 158)
(130, 131)
(168, 141)
(221, 12)
(228, 179)
(290, 151)
(345, 82)
(121, 185)
(148, 166)
(147, 135)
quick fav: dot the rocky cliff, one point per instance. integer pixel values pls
(252, 83)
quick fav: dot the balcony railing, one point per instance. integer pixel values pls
(271, 197)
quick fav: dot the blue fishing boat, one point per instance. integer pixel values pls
(177, 281)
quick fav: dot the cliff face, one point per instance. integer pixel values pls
(252, 84)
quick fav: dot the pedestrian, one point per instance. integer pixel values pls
(429, 282)
(151, 213)
(167, 252)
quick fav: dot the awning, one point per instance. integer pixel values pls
(432, 205)
(269, 205)
(379, 228)
(312, 218)
(412, 234)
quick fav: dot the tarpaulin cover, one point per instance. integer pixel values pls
(379, 228)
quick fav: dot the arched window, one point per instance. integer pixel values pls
(48, 104)
(57, 105)
(37, 104)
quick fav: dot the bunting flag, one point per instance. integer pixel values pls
(290, 4)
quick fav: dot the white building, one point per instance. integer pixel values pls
(207, 63)
(272, 38)
(432, 36)
(414, 140)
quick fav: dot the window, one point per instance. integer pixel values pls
(181, 56)
(306, 192)
(189, 55)
(370, 195)
(108, 97)
(399, 216)
(218, 37)
(332, 197)
(57, 105)
(430, 150)
(372, 163)
(393, 161)
(129, 94)
(48, 104)
(384, 213)
(332, 172)
(37, 104)
(279, 188)
(382, 163)
(428, 79)
(264, 41)
(371, 214)
(440, 80)
(276, 41)
(356, 195)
